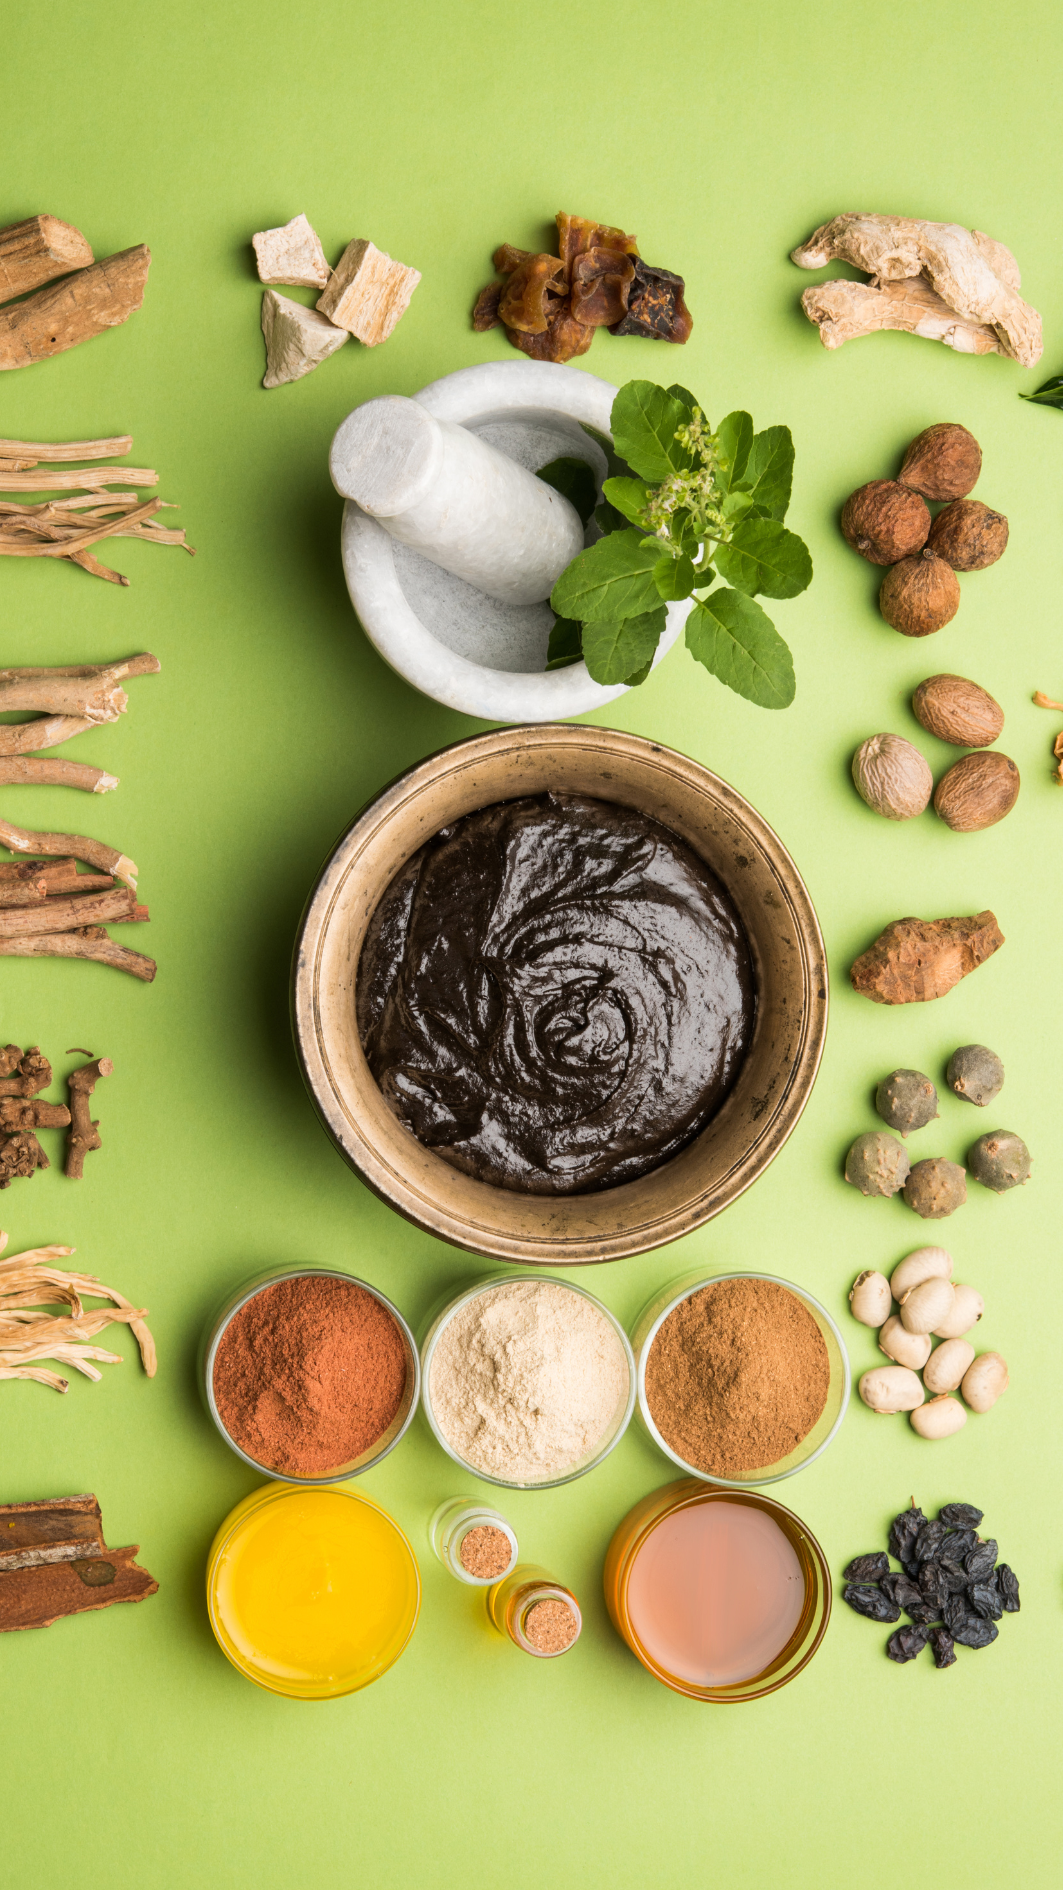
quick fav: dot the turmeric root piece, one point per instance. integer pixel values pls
(915, 960)
(975, 276)
(20, 1157)
(844, 310)
(84, 1134)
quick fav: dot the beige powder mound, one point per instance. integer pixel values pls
(526, 1381)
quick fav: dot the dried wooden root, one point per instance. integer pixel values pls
(31, 1281)
(90, 942)
(843, 310)
(291, 255)
(20, 1157)
(976, 277)
(92, 852)
(18, 455)
(23, 1073)
(24, 738)
(368, 293)
(298, 339)
(101, 296)
(84, 1134)
(21, 772)
(54, 1562)
(118, 907)
(915, 960)
(75, 478)
(52, 529)
(17, 1113)
(36, 251)
(71, 699)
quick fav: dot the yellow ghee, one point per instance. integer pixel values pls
(312, 1592)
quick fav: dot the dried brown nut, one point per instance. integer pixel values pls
(919, 595)
(904, 1347)
(1000, 1160)
(968, 535)
(940, 1417)
(655, 306)
(977, 791)
(892, 777)
(985, 1381)
(942, 463)
(907, 1100)
(975, 1073)
(934, 1189)
(888, 1389)
(926, 1305)
(877, 1164)
(958, 711)
(870, 1299)
(885, 521)
(967, 1309)
(915, 960)
(946, 1366)
(926, 1263)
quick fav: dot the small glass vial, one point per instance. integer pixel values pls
(537, 1614)
(473, 1543)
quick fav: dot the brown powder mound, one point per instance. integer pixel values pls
(485, 1553)
(737, 1375)
(309, 1374)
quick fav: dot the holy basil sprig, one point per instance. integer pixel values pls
(684, 505)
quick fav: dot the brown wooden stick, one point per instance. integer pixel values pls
(35, 773)
(62, 915)
(37, 251)
(36, 450)
(78, 479)
(20, 1157)
(82, 689)
(79, 883)
(16, 1113)
(24, 738)
(84, 1134)
(18, 870)
(54, 319)
(93, 943)
(24, 892)
(92, 852)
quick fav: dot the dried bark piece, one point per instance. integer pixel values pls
(914, 960)
(92, 852)
(656, 308)
(84, 1134)
(73, 311)
(88, 942)
(291, 254)
(298, 339)
(368, 292)
(20, 1157)
(844, 310)
(35, 252)
(77, 478)
(34, 772)
(41, 1580)
(64, 915)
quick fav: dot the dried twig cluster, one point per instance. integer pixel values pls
(68, 528)
(31, 1287)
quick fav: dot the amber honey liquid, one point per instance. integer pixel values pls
(715, 1593)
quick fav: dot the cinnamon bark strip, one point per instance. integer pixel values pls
(37, 251)
(24, 738)
(34, 451)
(92, 852)
(63, 915)
(56, 1531)
(90, 690)
(84, 1134)
(99, 297)
(93, 942)
(33, 772)
(37, 1597)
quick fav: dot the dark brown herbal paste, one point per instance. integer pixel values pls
(555, 994)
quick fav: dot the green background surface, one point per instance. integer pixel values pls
(722, 136)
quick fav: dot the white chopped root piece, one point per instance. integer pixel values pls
(298, 339)
(32, 1371)
(28, 1284)
(844, 310)
(368, 292)
(291, 254)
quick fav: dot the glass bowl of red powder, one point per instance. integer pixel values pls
(741, 1378)
(310, 1374)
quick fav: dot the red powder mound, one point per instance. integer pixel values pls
(309, 1374)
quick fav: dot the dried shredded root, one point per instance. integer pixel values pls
(29, 1282)
(51, 529)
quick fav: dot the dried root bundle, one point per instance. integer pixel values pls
(68, 528)
(50, 910)
(42, 1316)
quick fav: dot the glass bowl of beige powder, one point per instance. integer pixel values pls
(527, 1382)
(742, 1378)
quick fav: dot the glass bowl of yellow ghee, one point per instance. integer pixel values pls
(312, 1593)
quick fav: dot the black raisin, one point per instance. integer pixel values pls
(975, 1632)
(867, 1568)
(903, 1591)
(903, 1531)
(1008, 1583)
(870, 1602)
(954, 1613)
(923, 1612)
(959, 1544)
(906, 1644)
(954, 1578)
(981, 1562)
(933, 1583)
(960, 1515)
(929, 1540)
(943, 1650)
(984, 1598)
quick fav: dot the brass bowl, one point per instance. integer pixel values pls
(773, 1084)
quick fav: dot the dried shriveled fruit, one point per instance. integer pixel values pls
(968, 535)
(958, 711)
(1000, 1160)
(888, 1389)
(907, 1100)
(943, 462)
(1008, 1583)
(904, 1532)
(885, 521)
(926, 1263)
(975, 1632)
(902, 1589)
(914, 960)
(877, 1164)
(870, 1602)
(870, 1299)
(935, 1189)
(939, 1417)
(985, 1381)
(977, 791)
(985, 1599)
(942, 1647)
(867, 1568)
(982, 1560)
(961, 1515)
(975, 1073)
(919, 595)
(656, 308)
(892, 777)
(906, 1644)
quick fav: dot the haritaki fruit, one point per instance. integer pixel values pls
(975, 1073)
(968, 535)
(1000, 1160)
(958, 711)
(977, 791)
(877, 1164)
(942, 463)
(919, 595)
(907, 1100)
(935, 1189)
(885, 521)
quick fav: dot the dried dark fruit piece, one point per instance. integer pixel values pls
(885, 521)
(577, 235)
(961, 1515)
(955, 1577)
(959, 1543)
(929, 1540)
(1000, 1160)
(601, 285)
(531, 295)
(923, 1613)
(656, 308)
(906, 1644)
(905, 1592)
(933, 1583)
(942, 1647)
(485, 311)
(975, 1632)
(867, 1568)
(935, 1188)
(955, 1613)
(1008, 1583)
(985, 1599)
(508, 257)
(903, 1532)
(976, 1074)
(565, 338)
(981, 1562)
(968, 535)
(870, 1602)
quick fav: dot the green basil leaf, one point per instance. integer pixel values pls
(674, 578)
(640, 675)
(769, 471)
(608, 519)
(644, 420)
(738, 642)
(735, 436)
(575, 481)
(1049, 394)
(685, 398)
(615, 651)
(763, 556)
(566, 644)
(629, 496)
(613, 580)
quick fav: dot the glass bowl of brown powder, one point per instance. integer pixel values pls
(309, 1373)
(742, 1378)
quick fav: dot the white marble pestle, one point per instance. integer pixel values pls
(449, 495)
